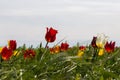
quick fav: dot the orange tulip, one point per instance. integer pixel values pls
(55, 49)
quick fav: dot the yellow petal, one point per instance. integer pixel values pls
(99, 44)
(101, 52)
(8, 43)
(1, 49)
(16, 53)
(80, 53)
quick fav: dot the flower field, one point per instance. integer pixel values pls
(100, 60)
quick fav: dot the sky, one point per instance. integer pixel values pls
(76, 20)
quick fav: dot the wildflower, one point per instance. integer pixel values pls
(16, 53)
(1, 49)
(101, 40)
(64, 46)
(109, 47)
(80, 53)
(55, 49)
(6, 53)
(82, 48)
(93, 43)
(29, 53)
(50, 35)
(52, 50)
(12, 44)
(101, 52)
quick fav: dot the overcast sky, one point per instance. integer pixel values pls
(76, 20)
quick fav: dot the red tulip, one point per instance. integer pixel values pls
(51, 35)
(64, 46)
(6, 53)
(109, 47)
(29, 53)
(93, 43)
(82, 48)
(12, 44)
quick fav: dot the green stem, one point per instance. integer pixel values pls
(1, 61)
(94, 55)
(44, 51)
(46, 45)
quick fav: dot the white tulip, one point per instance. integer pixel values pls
(101, 40)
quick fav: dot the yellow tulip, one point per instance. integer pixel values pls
(16, 53)
(101, 40)
(100, 45)
(80, 53)
(101, 52)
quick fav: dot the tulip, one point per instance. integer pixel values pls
(101, 52)
(64, 46)
(80, 53)
(55, 49)
(1, 49)
(93, 43)
(29, 53)
(16, 53)
(101, 40)
(52, 50)
(51, 35)
(109, 47)
(6, 53)
(12, 44)
(82, 48)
